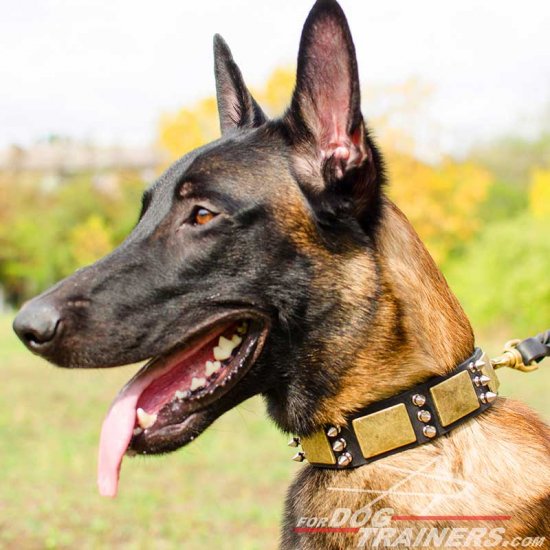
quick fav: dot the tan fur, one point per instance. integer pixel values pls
(496, 464)
(434, 315)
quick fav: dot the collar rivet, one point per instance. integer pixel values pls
(339, 445)
(477, 366)
(299, 457)
(419, 400)
(344, 459)
(429, 431)
(488, 397)
(333, 431)
(424, 415)
(482, 380)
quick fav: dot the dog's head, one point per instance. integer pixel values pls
(251, 270)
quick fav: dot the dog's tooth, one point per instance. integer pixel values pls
(138, 431)
(197, 383)
(224, 342)
(236, 340)
(222, 353)
(225, 347)
(242, 328)
(145, 420)
(212, 367)
(181, 394)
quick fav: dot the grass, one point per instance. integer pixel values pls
(226, 490)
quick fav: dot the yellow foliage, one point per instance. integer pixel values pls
(190, 128)
(274, 97)
(90, 241)
(539, 194)
(442, 201)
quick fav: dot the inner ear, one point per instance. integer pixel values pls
(327, 100)
(236, 106)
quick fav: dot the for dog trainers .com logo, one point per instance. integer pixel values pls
(384, 528)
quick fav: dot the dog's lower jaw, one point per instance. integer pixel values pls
(496, 464)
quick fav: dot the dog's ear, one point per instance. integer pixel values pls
(237, 108)
(324, 118)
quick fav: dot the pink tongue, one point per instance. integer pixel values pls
(118, 426)
(116, 433)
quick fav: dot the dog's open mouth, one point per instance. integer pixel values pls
(163, 396)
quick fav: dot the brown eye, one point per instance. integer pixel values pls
(201, 216)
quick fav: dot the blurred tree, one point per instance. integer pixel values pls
(274, 97)
(392, 110)
(502, 279)
(90, 240)
(189, 128)
(504, 201)
(34, 253)
(539, 194)
(443, 202)
(512, 158)
(45, 234)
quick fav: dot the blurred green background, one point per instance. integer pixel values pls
(485, 217)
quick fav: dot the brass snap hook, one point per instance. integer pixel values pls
(512, 358)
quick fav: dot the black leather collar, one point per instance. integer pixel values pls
(409, 419)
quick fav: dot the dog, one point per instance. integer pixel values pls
(271, 262)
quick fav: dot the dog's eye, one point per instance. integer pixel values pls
(201, 216)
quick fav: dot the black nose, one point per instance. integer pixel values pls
(37, 324)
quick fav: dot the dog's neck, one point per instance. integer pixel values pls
(434, 319)
(420, 330)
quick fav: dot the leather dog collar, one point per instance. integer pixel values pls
(409, 419)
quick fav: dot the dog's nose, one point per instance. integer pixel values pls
(37, 324)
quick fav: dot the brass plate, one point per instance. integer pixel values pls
(454, 398)
(318, 449)
(384, 430)
(488, 370)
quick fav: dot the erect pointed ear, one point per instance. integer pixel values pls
(325, 114)
(237, 108)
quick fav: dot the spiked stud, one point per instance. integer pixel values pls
(472, 367)
(482, 380)
(488, 397)
(419, 400)
(333, 431)
(339, 445)
(344, 459)
(294, 442)
(424, 416)
(480, 363)
(429, 431)
(299, 457)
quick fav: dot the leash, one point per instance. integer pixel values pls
(524, 355)
(422, 413)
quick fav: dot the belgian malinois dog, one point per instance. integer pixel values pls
(271, 262)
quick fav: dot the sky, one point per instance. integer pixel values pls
(106, 69)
